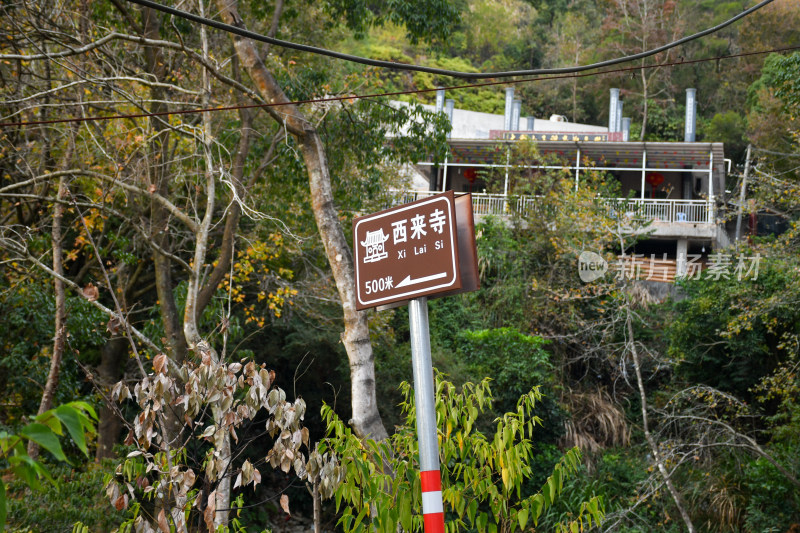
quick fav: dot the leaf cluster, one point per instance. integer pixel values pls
(483, 475)
(76, 419)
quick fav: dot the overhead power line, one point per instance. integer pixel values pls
(443, 72)
(771, 152)
(351, 97)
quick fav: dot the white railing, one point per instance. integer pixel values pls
(490, 204)
(657, 210)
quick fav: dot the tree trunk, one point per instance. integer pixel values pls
(232, 220)
(650, 440)
(61, 313)
(159, 217)
(366, 419)
(317, 506)
(113, 356)
(643, 74)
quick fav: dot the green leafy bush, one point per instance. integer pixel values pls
(76, 496)
(76, 419)
(482, 473)
(774, 503)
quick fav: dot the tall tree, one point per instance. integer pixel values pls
(635, 26)
(572, 43)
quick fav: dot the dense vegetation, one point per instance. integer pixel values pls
(194, 249)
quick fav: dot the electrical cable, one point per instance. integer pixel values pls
(352, 97)
(431, 70)
(775, 153)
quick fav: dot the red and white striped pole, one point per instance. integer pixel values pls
(424, 396)
(432, 507)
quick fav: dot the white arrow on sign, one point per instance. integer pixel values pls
(408, 281)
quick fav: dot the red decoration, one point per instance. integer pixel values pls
(654, 179)
(470, 174)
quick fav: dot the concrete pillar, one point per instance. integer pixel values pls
(509, 105)
(435, 170)
(691, 116)
(531, 123)
(618, 127)
(612, 110)
(439, 99)
(516, 109)
(449, 106)
(626, 129)
(681, 254)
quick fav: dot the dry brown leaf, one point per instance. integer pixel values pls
(285, 504)
(162, 521)
(91, 293)
(160, 363)
(120, 504)
(210, 511)
(114, 325)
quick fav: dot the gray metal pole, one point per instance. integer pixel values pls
(612, 110)
(424, 396)
(449, 106)
(509, 105)
(516, 109)
(691, 116)
(434, 182)
(742, 193)
(439, 99)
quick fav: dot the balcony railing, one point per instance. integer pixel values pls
(659, 210)
(645, 209)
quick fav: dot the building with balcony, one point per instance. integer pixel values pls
(675, 186)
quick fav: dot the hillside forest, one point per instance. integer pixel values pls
(179, 345)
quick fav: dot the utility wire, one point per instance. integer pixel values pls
(352, 97)
(443, 72)
(776, 153)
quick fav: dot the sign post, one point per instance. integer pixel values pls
(424, 394)
(406, 254)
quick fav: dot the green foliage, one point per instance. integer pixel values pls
(77, 418)
(528, 268)
(774, 104)
(730, 128)
(774, 503)
(76, 496)
(780, 74)
(430, 20)
(730, 334)
(664, 123)
(514, 361)
(26, 312)
(482, 475)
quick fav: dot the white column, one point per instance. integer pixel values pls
(683, 248)
(505, 185)
(711, 202)
(644, 170)
(444, 175)
(577, 169)
(612, 110)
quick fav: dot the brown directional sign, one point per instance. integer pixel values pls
(406, 252)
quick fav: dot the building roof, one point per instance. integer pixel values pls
(664, 155)
(478, 125)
